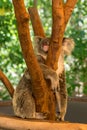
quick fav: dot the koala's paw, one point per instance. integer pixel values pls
(59, 117)
(54, 83)
(55, 86)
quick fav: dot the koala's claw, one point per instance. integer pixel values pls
(59, 117)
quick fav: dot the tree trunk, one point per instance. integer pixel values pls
(39, 31)
(60, 14)
(40, 89)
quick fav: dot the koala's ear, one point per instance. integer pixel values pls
(68, 45)
(64, 39)
(37, 39)
(70, 42)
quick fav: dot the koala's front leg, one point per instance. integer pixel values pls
(51, 75)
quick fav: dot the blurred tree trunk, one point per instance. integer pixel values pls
(43, 96)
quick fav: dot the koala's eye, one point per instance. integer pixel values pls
(45, 43)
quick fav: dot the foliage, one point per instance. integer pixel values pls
(12, 63)
(77, 75)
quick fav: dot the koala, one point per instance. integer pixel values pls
(41, 48)
(59, 88)
(23, 100)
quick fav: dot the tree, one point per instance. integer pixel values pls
(60, 13)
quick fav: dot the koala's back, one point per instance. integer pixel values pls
(23, 101)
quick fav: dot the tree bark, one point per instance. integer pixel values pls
(40, 89)
(7, 83)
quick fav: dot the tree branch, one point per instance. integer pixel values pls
(57, 34)
(7, 83)
(36, 22)
(61, 14)
(68, 9)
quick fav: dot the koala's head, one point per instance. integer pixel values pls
(68, 45)
(41, 44)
